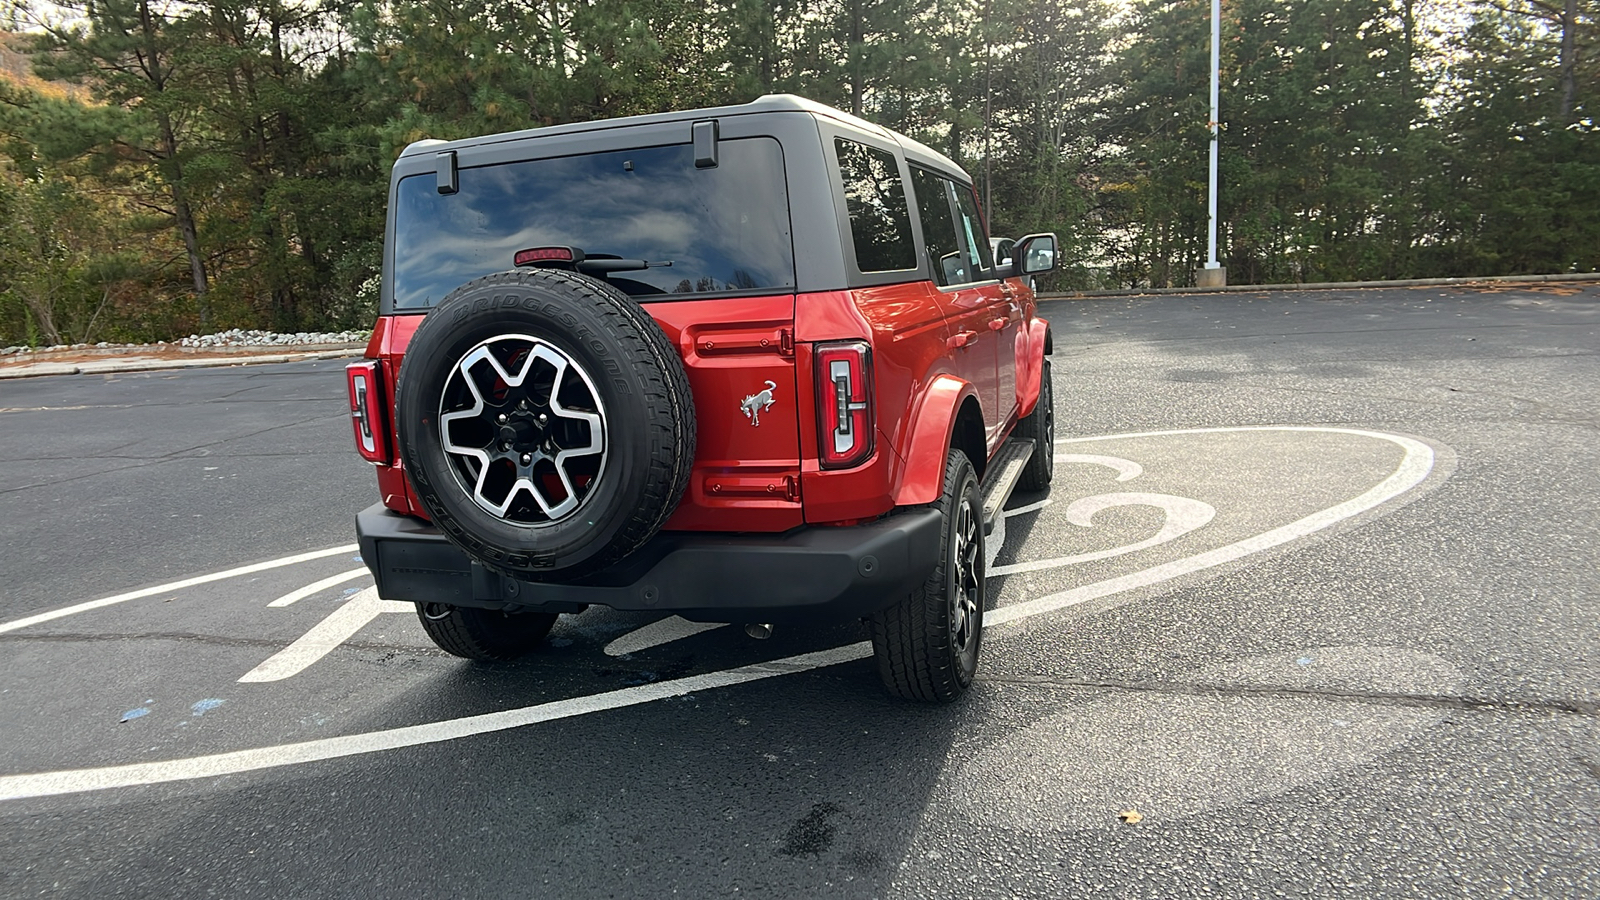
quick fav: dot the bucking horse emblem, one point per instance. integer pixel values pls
(755, 403)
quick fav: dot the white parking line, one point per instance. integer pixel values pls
(296, 596)
(173, 586)
(340, 626)
(655, 634)
(46, 784)
(1414, 468)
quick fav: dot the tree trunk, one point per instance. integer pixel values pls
(988, 120)
(1569, 80)
(185, 217)
(39, 304)
(769, 49)
(173, 171)
(855, 58)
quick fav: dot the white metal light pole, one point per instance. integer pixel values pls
(1213, 274)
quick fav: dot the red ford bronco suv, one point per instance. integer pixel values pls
(750, 364)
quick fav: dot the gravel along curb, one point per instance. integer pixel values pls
(1321, 286)
(113, 366)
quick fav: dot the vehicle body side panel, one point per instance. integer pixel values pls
(908, 334)
(390, 335)
(970, 309)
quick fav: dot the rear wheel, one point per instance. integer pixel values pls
(483, 634)
(926, 645)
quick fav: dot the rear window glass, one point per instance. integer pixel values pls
(723, 229)
(880, 223)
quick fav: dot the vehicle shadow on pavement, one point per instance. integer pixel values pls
(805, 784)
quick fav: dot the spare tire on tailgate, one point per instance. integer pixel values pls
(545, 421)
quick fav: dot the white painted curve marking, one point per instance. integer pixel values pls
(296, 596)
(1127, 469)
(1183, 515)
(664, 631)
(1412, 471)
(173, 586)
(340, 626)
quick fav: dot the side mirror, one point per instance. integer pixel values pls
(1036, 254)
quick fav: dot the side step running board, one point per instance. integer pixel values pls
(1001, 478)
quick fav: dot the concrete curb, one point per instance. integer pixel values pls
(1320, 286)
(114, 366)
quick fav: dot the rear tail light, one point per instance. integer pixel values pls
(844, 403)
(366, 410)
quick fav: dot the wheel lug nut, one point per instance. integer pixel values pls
(543, 419)
(501, 418)
(527, 458)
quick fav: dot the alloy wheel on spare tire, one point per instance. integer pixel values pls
(545, 421)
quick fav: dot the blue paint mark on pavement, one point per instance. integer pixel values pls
(132, 714)
(1304, 661)
(205, 706)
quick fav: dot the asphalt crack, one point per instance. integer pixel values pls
(172, 456)
(193, 638)
(1514, 706)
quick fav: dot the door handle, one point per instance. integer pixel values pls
(961, 340)
(997, 324)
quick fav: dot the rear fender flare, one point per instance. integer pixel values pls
(921, 476)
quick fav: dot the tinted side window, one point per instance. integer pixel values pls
(880, 223)
(945, 256)
(972, 226)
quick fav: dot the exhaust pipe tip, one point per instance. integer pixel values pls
(758, 630)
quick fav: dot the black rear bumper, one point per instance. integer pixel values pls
(810, 574)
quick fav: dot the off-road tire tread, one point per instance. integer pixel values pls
(658, 372)
(906, 635)
(1041, 465)
(470, 634)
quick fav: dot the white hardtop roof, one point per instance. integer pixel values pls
(770, 103)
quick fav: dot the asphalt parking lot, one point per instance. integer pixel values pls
(1312, 609)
